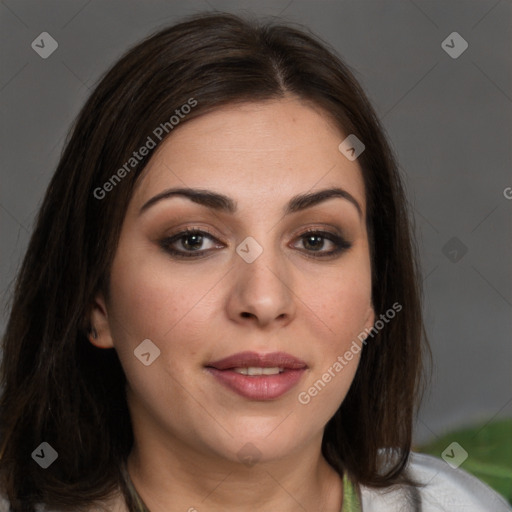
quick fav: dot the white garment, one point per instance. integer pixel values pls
(446, 490)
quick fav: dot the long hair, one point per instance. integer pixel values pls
(60, 389)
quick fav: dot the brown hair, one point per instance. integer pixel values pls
(59, 388)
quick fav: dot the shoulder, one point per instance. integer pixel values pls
(455, 489)
(442, 489)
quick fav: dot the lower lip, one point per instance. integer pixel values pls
(259, 387)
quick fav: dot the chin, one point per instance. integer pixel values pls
(262, 440)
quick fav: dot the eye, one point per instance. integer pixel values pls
(314, 241)
(189, 243)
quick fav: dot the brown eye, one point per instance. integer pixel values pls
(189, 243)
(314, 241)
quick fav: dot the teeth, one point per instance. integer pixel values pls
(254, 370)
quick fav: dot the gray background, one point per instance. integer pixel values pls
(449, 121)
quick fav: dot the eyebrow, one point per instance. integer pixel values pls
(222, 203)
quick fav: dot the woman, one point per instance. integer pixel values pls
(219, 307)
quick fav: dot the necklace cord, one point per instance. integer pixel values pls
(132, 498)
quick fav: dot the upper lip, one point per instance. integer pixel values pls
(253, 359)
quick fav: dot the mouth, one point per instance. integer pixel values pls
(258, 376)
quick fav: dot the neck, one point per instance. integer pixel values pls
(172, 480)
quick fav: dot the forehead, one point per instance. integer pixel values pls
(255, 152)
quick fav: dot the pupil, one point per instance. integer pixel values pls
(316, 238)
(193, 245)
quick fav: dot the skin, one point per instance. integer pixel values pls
(189, 428)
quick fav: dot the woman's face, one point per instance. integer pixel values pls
(280, 286)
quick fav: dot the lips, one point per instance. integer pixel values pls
(252, 359)
(258, 376)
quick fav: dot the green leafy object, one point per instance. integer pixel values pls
(489, 448)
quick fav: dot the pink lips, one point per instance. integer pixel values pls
(258, 387)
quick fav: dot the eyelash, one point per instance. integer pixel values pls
(341, 245)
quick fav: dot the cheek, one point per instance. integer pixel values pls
(348, 313)
(150, 299)
(174, 309)
(344, 304)
(149, 303)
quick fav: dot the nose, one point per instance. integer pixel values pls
(262, 290)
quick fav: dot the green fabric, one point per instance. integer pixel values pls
(489, 448)
(351, 502)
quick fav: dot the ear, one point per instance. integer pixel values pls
(100, 335)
